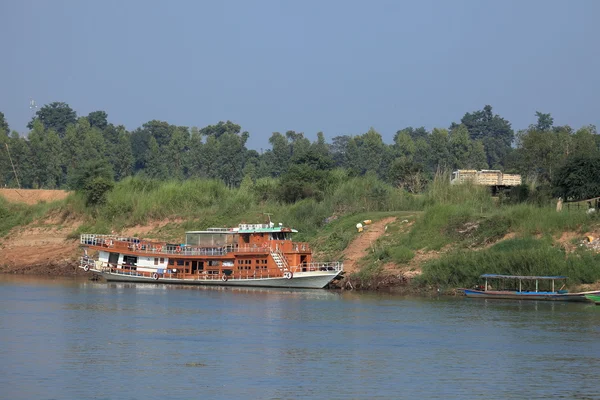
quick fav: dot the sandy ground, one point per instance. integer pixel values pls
(37, 251)
(32, 196)
(41, 248)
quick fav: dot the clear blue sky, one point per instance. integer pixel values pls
(332, 66)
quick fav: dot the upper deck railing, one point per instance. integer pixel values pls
(147, 247)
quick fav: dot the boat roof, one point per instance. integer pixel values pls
(249, 228)
(523, 277)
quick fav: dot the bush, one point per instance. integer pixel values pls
(96, 190)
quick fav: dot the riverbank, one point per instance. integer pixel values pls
(460, 234)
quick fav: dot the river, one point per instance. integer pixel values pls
(77, 339)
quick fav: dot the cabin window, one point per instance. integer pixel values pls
(130, 260)
(162, 260)
(113, 258)
(214, 263)
(171, 262)
(156, 261)
(179, 262)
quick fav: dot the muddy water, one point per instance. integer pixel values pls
(76, 339)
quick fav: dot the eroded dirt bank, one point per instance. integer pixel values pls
(39, 251)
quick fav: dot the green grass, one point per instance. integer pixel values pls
(18, 214)
(519, 256)
(335, 236)
(206, 203)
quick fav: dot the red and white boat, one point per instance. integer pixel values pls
(260, 255)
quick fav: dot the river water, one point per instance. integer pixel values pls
(77, 339)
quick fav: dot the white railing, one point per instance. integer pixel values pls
(140, 246)
(88, 263)
(320, 266)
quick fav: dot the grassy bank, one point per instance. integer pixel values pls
(199, 204)
(464, 232)
(462, 229)
(20, 214)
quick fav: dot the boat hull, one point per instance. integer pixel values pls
(513, 295)
(593, 297)
(300, 280)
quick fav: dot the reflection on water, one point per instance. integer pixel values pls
(64, 338)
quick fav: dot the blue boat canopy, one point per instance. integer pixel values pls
(523, 277)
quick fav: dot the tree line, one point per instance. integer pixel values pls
(64, 150)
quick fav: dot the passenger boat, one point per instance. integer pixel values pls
(486, 291)
(593, 297)
(261, 255)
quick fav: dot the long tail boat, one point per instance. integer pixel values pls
(525, 290)
(262, 255)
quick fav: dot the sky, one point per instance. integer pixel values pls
(339, 67)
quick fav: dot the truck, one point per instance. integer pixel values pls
(486, 177)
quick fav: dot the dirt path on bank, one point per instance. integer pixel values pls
(360, 246)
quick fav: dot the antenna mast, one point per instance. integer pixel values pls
(32, 107)
(268, 216)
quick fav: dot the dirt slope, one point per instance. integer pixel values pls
(360, 246)
(32, 196)
(41, 249)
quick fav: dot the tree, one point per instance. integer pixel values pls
(578, 179)
(339, 150)
(56, 116)
(220, 129)
(122, 157)
(98, 119)
(280, 154)
(175, 153)
(460, 146)
(584, 142)
(4, 129)
(415, 134)
(439, 157)
(230, 158)
(494, 131)
(464, 152)
(155, 168)
(407, 174)
(544, 121)
(94, 180)
(404, 144)
(366, 153)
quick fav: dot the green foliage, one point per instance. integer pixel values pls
(98, 119)
(494, 131)
(4, 129)
(401, 254)
(513, 257)
(55, 116)
(17, 214)
(578, 179)
(441, 191)
(96, 190)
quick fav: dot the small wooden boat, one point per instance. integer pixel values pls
(524, 292)
(593, 297)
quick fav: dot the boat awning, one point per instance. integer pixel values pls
(560, 277)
